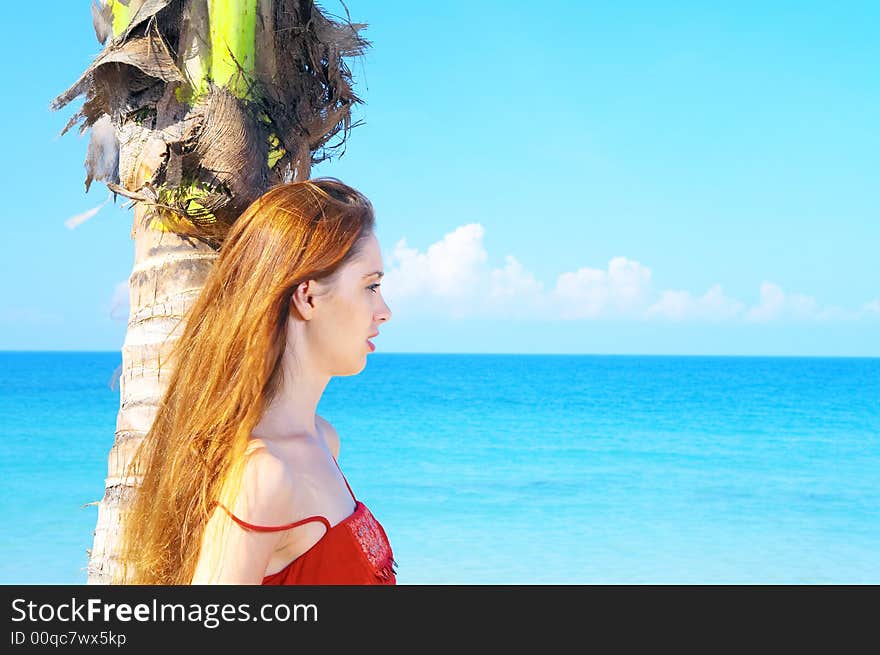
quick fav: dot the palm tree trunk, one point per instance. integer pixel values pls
(168, 273)
(197, 108)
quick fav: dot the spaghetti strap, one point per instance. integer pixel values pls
(344, 480)
(277, 528)
(274, 528)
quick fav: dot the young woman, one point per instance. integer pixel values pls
(239, 482)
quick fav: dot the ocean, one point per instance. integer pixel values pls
(522, 469)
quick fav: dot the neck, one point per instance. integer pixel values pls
(292, 411)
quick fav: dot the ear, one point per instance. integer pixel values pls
(304, 299)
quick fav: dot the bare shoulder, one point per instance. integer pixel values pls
(331, 437)
(267, 486)
(265, 496)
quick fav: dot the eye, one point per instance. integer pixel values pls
(373, 287)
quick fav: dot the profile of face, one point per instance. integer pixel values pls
(341, 317)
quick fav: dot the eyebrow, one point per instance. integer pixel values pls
(379, 273)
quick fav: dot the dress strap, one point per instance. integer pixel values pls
(344, 480)
(274, 528)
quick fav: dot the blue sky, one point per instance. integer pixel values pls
(636, 179)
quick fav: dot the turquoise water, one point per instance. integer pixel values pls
(523, 469)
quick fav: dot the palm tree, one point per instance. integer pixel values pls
(195, 108)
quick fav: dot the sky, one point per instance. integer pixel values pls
(587, 178)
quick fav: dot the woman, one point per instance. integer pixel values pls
(239, 479)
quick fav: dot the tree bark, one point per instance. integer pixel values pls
(135, 82)
(168, 273)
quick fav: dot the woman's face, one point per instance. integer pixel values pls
(346, 314)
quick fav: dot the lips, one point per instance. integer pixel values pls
(370, 343)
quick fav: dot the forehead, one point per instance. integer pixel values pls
(368, 260)
(370, 256)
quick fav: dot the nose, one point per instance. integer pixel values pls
(385, 314)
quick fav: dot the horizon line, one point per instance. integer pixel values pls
(512, 354)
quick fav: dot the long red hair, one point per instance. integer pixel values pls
(226, 367)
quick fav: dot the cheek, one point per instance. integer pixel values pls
(356, 313)
(366, 302)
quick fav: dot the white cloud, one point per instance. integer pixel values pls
(79, 219)
(449, 270)
(802, 307)
(453, 278)
(629, 283)
(512, 280)
(675, 305)
(582, 294)
(514, 291)
(775, 305)
(770, 306)
(592, 293)
(711, 306)
(870, 309)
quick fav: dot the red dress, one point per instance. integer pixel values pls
(355, 551)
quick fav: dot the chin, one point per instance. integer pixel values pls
(355, 368)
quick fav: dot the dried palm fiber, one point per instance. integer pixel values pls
(198, 151)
